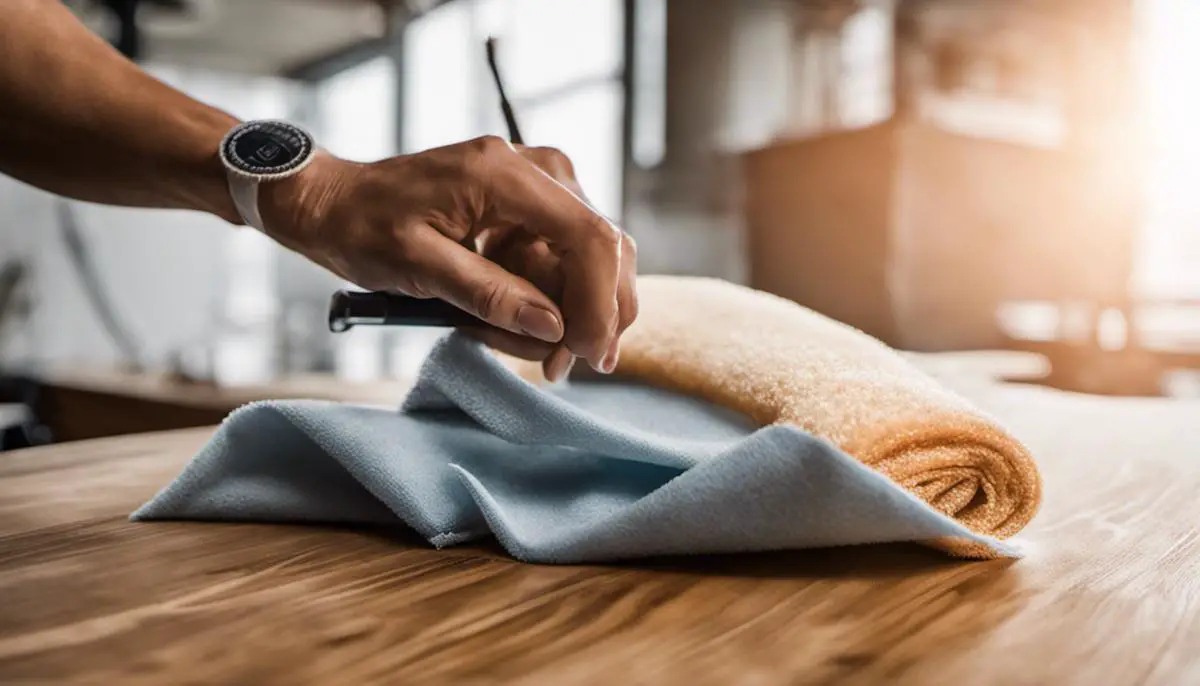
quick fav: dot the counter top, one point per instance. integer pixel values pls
(1106, 595)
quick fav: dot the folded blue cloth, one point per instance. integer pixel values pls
(575, 473)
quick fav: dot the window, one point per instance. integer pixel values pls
(1170, 240)
(551, 45)
(562, 63)
(586, 124)
(440, 93)
(649, 83)
(357, 111)
(866, 57)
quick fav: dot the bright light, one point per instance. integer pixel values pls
(1170, 242)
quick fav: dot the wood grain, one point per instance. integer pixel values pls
(1109, 592)
(80, 402)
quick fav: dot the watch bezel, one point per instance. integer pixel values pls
(235, 165)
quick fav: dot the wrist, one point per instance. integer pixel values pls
(279, 181)
(293, 209)
(203, 185)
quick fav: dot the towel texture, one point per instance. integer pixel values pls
(736, 422)
(779, 363)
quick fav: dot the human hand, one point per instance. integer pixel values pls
(561, 279)
(523, 252)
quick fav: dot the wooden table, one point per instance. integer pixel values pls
(1108, 594)
(79, 403)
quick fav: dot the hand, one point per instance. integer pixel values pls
(523, 252)
(562, 283)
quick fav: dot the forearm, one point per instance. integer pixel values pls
(80, 120)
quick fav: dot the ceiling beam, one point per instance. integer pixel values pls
(333, 63)
(397, 16)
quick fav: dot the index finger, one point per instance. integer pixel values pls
(588, 245)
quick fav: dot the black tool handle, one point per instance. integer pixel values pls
(358, 308)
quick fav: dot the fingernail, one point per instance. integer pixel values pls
(610, 360)
(560, 365)
(539, 323)
(568, 366)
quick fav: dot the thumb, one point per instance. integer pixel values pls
(485, 290)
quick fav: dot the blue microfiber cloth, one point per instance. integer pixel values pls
(581, 472)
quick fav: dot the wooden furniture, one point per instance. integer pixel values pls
(1153, 342)
(81, 403)
(1107, 593)
(916, 229)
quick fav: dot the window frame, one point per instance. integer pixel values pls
(315, 73)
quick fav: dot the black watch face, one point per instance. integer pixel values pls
(268, 147)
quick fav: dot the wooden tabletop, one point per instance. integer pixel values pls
(163, 388)
(1108, 594)
(81, 402)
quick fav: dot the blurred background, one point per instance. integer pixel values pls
(946, 175)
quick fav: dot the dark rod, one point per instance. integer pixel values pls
(510, 119)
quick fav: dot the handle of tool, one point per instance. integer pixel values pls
(348, 309)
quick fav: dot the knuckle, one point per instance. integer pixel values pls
(629, 247)
(415, 285)
(482, 152)
(489, 145)
(554, 161)
(489, 142)
(629, 312)
(488, 299)
(604, 233)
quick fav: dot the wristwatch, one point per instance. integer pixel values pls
(262, 151)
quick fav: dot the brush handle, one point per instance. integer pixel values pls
(348, 309)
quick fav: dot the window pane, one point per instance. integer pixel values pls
(586, 125)
(650, 83)
(544, 46)
(1170, 242)
(551, 43)
(358, 111)
(440, 56)
(867, 67)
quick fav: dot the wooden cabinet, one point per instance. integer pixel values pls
(916, 235)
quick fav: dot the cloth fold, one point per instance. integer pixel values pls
(779, 363)
(737, 422)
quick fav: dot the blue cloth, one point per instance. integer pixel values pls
(575, 473)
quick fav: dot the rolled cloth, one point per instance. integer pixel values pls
(834, 440)
(780, 363)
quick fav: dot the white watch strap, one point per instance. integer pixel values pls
(244, 191)
(255, 152)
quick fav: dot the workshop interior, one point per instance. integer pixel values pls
(913, 395)
(944, 176)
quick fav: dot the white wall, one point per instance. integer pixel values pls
(727, 90)
(166, 270)
(544, 46)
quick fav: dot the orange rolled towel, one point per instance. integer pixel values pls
(778, 362)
